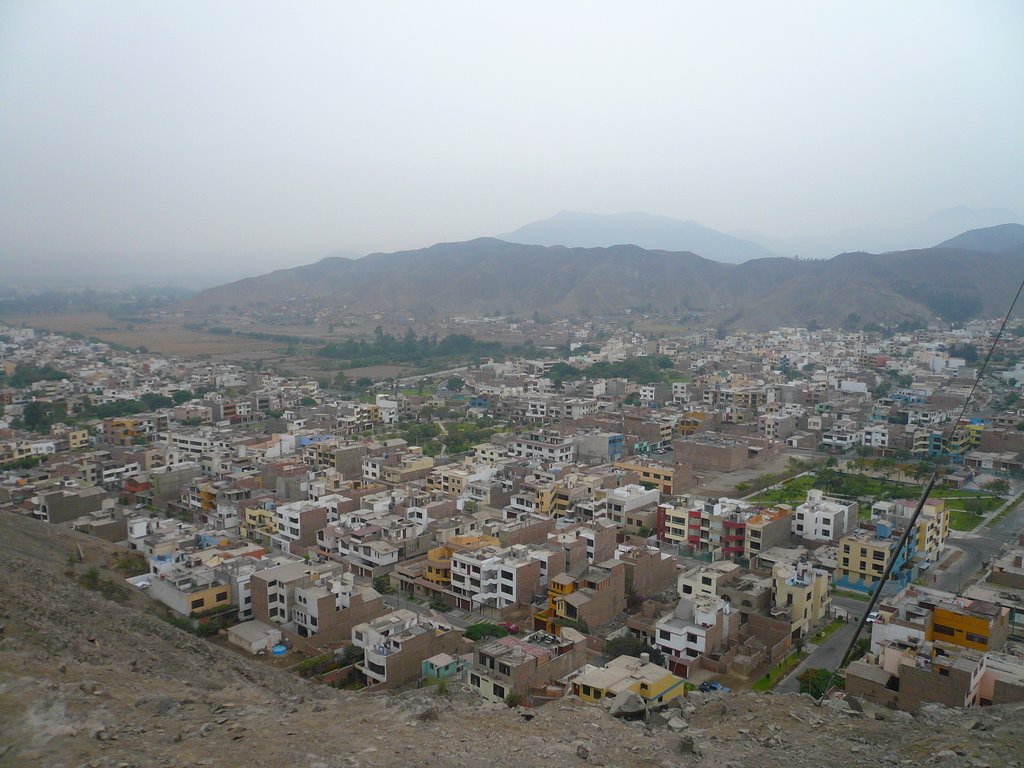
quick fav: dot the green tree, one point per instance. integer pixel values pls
(181, 396)
(999, 487)
(631, 646)
(455, 384)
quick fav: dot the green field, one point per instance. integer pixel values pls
(870, 489)
(959, 520)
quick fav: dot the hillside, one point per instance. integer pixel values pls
(595, 230)
(493, 277)
(988, 239)
(88, 681)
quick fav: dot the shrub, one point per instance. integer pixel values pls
(484, 629)
(514, 700)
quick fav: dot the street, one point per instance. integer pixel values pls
(825, 656)
(977, 546)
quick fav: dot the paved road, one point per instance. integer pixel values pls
(978, 546)
(825, 656)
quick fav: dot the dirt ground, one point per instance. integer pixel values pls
(167, 338)
(86, 680)
(724, 483)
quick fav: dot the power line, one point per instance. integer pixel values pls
(909, 529)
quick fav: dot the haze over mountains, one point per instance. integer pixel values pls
(488, 276)
(594, 230)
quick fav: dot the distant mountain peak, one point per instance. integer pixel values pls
(577, 229)
(997, 239)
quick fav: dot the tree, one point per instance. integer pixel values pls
(631, 646)
(455, 384)
(999, 487)
(181, 396)
(813, 681)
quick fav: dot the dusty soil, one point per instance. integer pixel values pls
(166, 338)
(86, 680)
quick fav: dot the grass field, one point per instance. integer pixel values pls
(168, 338)
(864, 487)
(779, 671)
(959, 520)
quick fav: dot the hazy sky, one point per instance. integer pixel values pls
(197, 133)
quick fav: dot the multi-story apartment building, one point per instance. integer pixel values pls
(632, 506)
(766, 529)
(824, 518)
(669, 479)
(513, 665)
(697, 625)
(863, 555)
(545, 444)
(396, 644)
(932, 524)
(719, 525)
(502, 577)
(309, 600)
(803, 590)
(591, 598)
(297, 524)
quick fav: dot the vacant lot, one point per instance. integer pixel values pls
(163, 337)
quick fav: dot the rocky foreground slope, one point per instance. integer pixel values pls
(94, 679)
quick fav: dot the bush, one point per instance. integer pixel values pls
(484, 629)
(514, 700)
(631, 646)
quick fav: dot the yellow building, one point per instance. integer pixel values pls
(629, 674)
(804, 591)
(973, 624)
(257, 524)
(78, 438)
(661, 475)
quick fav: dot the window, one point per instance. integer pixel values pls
(706, 580)
(198, 603)
(222, 596)
(979, 639)
(474, 680)
(687, 589)
(507, 589)
(499, 691)
(691, 637)
(272, 597)
(944, 630)
(505, 669)
(664, 634)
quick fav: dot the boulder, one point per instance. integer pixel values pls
(628, 706)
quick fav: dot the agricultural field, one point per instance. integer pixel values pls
(165, 337)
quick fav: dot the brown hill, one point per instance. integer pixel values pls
(488, 277)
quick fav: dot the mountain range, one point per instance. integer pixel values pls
(488, 277)
(593, 230)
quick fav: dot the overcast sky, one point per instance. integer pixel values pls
(218, 132)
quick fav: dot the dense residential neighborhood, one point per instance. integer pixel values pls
(708, 513)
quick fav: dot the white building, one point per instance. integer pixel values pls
(824, 518)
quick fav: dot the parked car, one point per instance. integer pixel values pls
(709, 686)
(874, 616)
